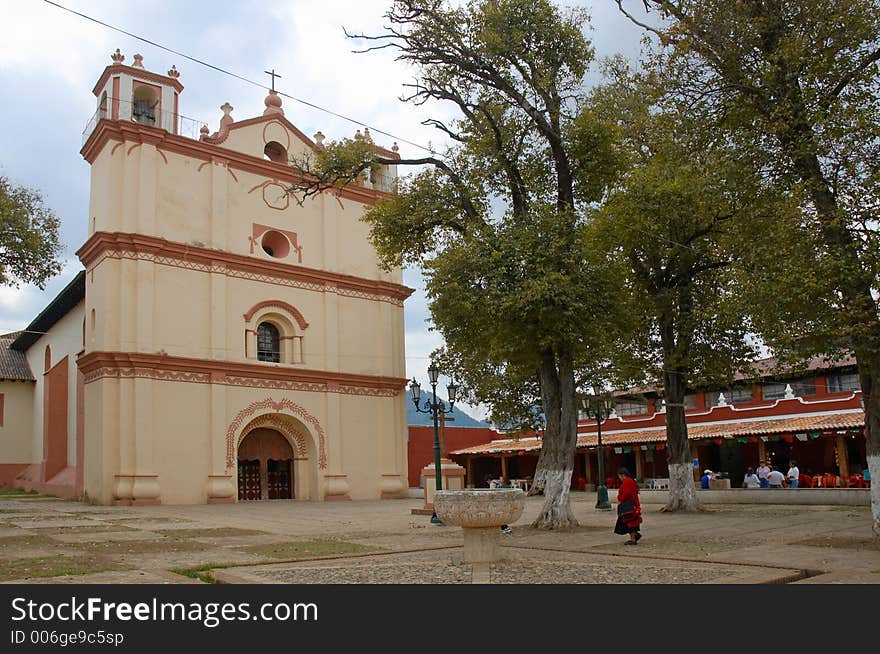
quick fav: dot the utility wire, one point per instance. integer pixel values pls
(239, 77)
(286, 95)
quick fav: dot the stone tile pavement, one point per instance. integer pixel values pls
(52, 541)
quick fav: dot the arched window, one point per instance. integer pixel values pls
(144, 101)
(274, 151)
(268, 343)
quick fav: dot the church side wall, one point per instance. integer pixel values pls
(16, 430)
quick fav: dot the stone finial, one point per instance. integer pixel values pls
(174, 73)
(613, 413)
(227, 119)
(204, 133)
(138, 61)
(722, 401)
(358, 136)
(273, 104)
(789, 392)
(117, 57)
(319, 139)
(367, 135)
(394, 147)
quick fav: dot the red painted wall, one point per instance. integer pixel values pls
(420, 445)
(55, 420)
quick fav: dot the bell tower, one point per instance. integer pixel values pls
(132, 93)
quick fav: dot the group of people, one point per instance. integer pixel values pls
(766, 477)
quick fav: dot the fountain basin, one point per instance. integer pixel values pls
(480, 514)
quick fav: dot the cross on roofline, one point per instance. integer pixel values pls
(273, 74)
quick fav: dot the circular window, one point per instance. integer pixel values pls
(275, 244)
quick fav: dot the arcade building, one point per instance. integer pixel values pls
(813, 416)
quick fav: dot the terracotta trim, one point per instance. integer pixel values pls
(286, 135)
(119, 245)
(256, 120)
(140, 74)
(176, 114)
(115, 100)
(96, 365)
(292, 310)
(235, 432)
(107, 130)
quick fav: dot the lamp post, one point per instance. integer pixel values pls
(598, 407)
(435, 407)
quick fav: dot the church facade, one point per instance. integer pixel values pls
(228, 340)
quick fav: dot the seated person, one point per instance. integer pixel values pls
(751, 479)
(704, 481)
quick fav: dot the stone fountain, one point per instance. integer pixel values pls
(480, 513)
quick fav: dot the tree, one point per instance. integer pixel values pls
(495, 221)
(29, 245)
(671, 223)
(799, 85)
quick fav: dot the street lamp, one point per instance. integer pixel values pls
(435, 407)
(598, 407)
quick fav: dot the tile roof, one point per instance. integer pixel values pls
(770, 368)
(785, 425)
(13, 364)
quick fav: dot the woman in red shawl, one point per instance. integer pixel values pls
(629, 511)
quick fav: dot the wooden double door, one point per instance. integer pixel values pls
(265, 466)
(270, 479)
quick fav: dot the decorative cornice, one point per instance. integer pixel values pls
(119, 69)
(100, 365)
(118, 130)
(118, 245)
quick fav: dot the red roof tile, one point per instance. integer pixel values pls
(13, 364)
(790, 425)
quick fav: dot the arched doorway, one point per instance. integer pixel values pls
(265, 466)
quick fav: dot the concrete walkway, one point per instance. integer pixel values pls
(50, 541)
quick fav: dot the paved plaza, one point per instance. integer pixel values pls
(45, 540)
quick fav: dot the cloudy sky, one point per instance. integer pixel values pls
(50, 60)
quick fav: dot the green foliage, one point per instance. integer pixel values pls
(796, 86)
(675, 225)
(496, 222)
(29, 243)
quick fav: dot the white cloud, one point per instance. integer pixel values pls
(19, 306)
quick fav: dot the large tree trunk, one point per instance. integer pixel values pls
(869, 373)
(682, 491)
(859, 303)
(555, 464)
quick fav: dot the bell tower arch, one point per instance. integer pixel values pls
(133, 93)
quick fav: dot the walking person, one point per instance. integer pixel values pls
(629, 511)
(793, 474)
